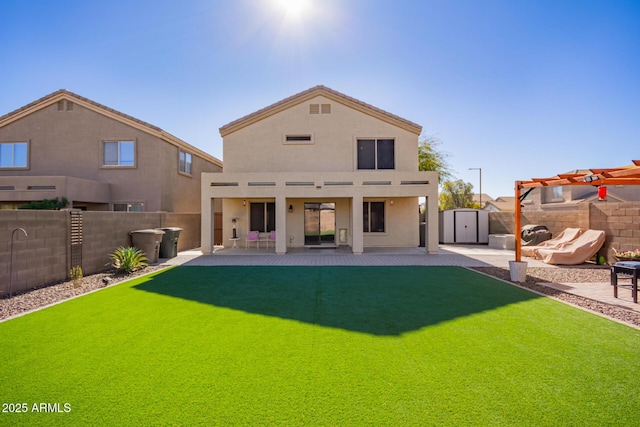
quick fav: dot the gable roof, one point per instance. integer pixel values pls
(64, 94)
(327, 93)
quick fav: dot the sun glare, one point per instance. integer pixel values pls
(294, 9)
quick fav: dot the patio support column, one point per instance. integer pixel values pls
(281, 225)
(431, 216)
(206, 220)
(357, 239)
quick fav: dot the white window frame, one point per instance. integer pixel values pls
(182, 162)
(119, 160)
(13, 165)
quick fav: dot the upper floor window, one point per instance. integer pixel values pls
(552, 194)
(119, 153)
(376, 154)
(13, 155)
(185, 162)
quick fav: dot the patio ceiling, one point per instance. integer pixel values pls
(625, 175)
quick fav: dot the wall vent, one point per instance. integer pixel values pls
(325, 108)
(314, 108)
(376, 183)
(300, 183)
(298, 138)
(224, 184)
(338, 183)
(41, 187)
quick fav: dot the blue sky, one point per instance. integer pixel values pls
(519, 88)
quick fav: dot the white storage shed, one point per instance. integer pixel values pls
(464, 226)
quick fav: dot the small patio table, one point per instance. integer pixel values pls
(627, 268)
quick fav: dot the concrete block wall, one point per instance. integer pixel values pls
(555, 221)
(39, 258)
(106, 231)
(620, 221)
(44, 256)
(190, 224)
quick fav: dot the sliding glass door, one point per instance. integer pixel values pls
(319, 223)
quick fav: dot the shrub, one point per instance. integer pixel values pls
(47, 204)
(128, 260)
(76, 275)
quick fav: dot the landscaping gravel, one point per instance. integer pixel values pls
(536, 277)
(33, 299)
(40, 297)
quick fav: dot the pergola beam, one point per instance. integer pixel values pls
(626, 175)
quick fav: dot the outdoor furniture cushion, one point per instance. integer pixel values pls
(574, 252)
(567, 235)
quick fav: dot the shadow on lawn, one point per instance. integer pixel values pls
(374, 300)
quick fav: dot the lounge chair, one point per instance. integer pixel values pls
(576, 251)
(567, 235)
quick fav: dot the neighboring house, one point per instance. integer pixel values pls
(500, 204)
(568, 197)
(475, 197)
(64, 145)
(322, 169)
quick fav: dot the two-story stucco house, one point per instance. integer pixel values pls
(65, 145)
(321, 168)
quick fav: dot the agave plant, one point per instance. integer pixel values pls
(128, 260)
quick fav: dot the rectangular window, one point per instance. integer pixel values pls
(373, 217)
(262, 217)
(376, 154)
(298, 139)
(128, 207)
(292, 138)
(185, 162)
(13, 155)
(119, 153)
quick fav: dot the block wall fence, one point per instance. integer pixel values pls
(44, 256)
(620, 221)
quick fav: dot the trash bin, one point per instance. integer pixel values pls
(148, 241)
(169, 244)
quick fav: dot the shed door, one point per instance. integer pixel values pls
(465, 227)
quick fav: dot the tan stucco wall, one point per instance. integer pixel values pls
(261, 148)
(401, 219)
(261, 164)
(69, 143)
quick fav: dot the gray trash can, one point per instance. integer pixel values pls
(169, 244)
(148, 241)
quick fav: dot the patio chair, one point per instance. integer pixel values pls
(272, 238)
(252, 237)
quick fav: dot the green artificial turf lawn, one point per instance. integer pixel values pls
(318, 346)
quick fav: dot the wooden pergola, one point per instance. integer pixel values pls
(625, 175)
